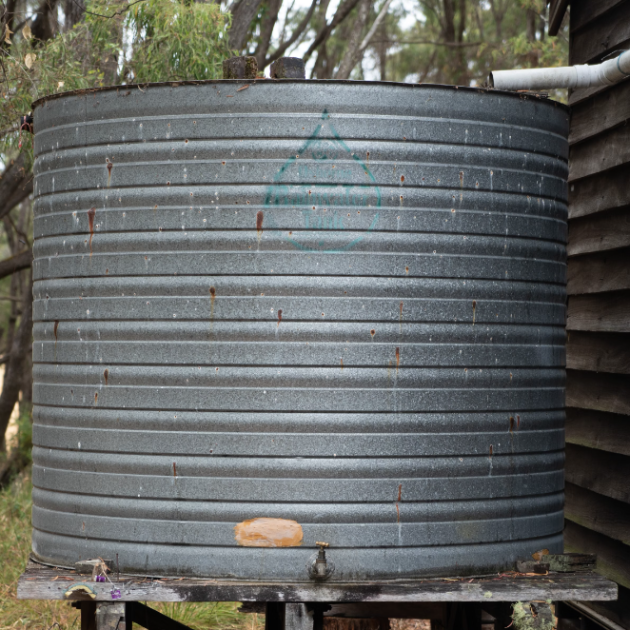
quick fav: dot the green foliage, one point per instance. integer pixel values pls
(167, 45)
(155, 40)
(486, 36)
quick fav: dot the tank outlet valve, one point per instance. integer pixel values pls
(319, 567)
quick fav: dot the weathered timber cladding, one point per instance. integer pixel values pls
(598, 352)
(598, 314)
(598, 429)
(597, 512)
(613, 557)
(599, 272)
(600, 192)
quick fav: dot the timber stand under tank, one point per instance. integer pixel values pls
(275, 313)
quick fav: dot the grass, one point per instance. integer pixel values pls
(15, 546)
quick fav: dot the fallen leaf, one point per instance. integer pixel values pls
(29, 60)
(26, 32)
(243, 88)
(7, 36)
(60, 85)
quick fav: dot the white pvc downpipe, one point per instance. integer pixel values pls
(605, 73)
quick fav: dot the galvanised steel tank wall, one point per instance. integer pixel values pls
(280, 312)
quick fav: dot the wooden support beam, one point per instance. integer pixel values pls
(40, 582)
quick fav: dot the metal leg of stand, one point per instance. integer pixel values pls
(110, 616)
(275, 615)
(298, 617)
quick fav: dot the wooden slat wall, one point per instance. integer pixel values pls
(598, 319)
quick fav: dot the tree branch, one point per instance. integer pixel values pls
(341, 14)
(354, 50)
(15, 263)
(242, 17)
(299, 29)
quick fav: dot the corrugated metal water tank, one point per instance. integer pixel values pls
(274, 313)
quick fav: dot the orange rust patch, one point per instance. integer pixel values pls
(91, 214)
(268, 532)
(55, 327)
(279, 316)
(260, 217)
(397, 359)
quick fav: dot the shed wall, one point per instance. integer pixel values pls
(598, 320)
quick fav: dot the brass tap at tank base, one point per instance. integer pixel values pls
(319, 567)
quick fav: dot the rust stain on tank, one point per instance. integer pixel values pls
(175, 470)
(268, 532)
(279, 317)
(397, 359)
(407, 270)
(402, 179)
(461, 179)
(372, 332)
(518, 422)
(213, 295)
(110, 165)
(474, 310)
(106, 375)
(259, 224)
(341, 362)
(400, 493)
(91, 214)
(490, 450)
(55, 328)
(95, 398)
(511, 424)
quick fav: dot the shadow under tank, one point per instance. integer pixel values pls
(272, 313)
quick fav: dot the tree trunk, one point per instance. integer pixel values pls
(530, 29)
(13, 375)
(242, 16)
(353, 54)
(74, 11)
(269, 20)
(44, 26)
(16, 183)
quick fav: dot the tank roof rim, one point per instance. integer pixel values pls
(484, 90)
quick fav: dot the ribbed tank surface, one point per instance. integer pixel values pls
(275, 313)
